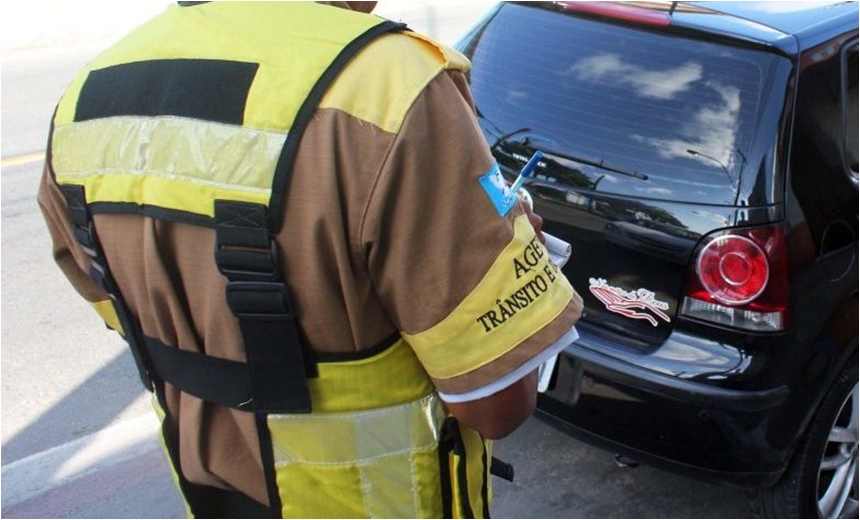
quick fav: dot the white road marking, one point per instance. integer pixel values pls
(22, 159)
(33, 475)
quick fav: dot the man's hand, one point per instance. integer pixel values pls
(535, 219)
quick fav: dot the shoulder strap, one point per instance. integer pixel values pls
(284, 167)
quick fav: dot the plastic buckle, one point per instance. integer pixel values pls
(269, 301)
(246, 264)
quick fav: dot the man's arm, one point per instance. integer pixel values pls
(498, 415)
(461, 270)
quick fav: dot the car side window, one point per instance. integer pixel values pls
(825, 144)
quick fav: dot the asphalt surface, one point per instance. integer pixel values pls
(122, 473)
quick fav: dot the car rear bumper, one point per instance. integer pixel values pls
(692, 372)
(679, 406)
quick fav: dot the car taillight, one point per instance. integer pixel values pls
(733, 269)
(740, 279)
(629, 13)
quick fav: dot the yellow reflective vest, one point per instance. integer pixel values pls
(196, 117)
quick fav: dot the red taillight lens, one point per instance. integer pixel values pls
(740, 279)
(733, 269)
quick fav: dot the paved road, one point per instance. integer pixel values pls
(122, 474)
(78, 440)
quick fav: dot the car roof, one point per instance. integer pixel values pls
(790, 26)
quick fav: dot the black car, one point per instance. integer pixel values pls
(701, 158)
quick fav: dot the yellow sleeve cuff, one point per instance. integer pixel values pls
(520, 294)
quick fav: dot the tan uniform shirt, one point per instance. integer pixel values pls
(388, 230)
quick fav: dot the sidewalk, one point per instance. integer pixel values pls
(44, 23)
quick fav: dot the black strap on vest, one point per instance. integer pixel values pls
(501, 469)
(212, 379)
(247, 255)
(445, 448)
(485, 484)
(85, 234)
(451, 443)
(462, 475)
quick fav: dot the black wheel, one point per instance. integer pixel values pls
(821, 480)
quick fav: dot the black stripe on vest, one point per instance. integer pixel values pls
(209, 90)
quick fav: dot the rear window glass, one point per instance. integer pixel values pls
(679, 112)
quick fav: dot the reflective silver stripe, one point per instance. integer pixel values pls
(361, 436)
(215, 156)
(375, 463)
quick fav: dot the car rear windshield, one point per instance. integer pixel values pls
(679, 112)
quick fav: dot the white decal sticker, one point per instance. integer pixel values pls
(623, 302)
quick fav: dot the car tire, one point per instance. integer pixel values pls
(825, 461)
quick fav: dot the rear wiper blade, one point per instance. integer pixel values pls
(598, 163)
(535, 142)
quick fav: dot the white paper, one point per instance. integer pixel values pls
(559, 253)
(559, 250)
(545, 373)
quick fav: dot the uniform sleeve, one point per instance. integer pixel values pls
(453, 259)
(73, 262)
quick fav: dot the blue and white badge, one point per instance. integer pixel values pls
(498, 190)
